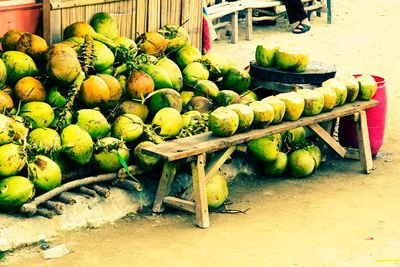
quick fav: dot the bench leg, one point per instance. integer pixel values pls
(212, 167)
(249, 24)
(199, 189)
(363, 143)
(164, 186)
(235, 27)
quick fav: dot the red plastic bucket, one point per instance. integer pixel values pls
(376, 119)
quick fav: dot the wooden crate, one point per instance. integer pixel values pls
(133, 16)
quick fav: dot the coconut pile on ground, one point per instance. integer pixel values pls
(97, 98)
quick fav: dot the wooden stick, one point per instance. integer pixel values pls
(87, 191)
(54, 206)
(127, 184)
(65, 199)
(104, 192)
(44, 213)
(31, 207)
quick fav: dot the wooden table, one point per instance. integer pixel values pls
(194, 148)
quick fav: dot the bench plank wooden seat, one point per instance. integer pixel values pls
(195, 148)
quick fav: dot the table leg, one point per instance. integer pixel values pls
(235, 27)
(199, 189)
(249, 24)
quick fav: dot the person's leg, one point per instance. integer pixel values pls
(296, 13)
(295, 10)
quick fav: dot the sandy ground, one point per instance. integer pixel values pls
(338, 217)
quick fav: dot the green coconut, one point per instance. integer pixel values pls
(115, 88)
(295, 137)
(145, 161)
(37, 114)
(45, 173)
(152, 43)
(206, 88)
(300, 163)
(10, 39)
(164, 98)
(32, 45)
(186, 55)
(133, 107)
(264, 149)
(167, 122)
(217, 65)
(105, 156)
(173, 71)
(104, 24)
(265, 54)
(176, 35)
(223, 121)
(6, 102)
(329, 97)
(313, 101)
(368, 87)
(159, 75)
(55, 98)
(237, 80)
(263, 114)
(201, 104)
(77, 144)
(247, 97)
(278, 106)
(194, 72)
(294, 105)
(226, 97)
(12, 159)
(3, 74)
(103, 57)
(139, 85)
(6, 130)
(217, 191)
(340, 89)
(277, 167)
(186, 96)
(44, 139)
(245, 114)
(14, 192)
(18, 65)
(352, 86)
(62, 65)
(19, 128)
(292, 59)
(315, 153)
(94, 122)
(128, 44)
(94, 92)
(191, 116)
(81, 29)
(127, 127)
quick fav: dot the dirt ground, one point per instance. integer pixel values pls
(337, 217)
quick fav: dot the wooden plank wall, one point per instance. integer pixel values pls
(133, 16)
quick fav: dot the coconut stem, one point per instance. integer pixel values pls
(72, 94)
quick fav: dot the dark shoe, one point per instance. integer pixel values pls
(301, 28)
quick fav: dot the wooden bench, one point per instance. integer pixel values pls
(232, 9)
(194, 149)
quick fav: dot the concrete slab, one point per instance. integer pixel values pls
(16, 230)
